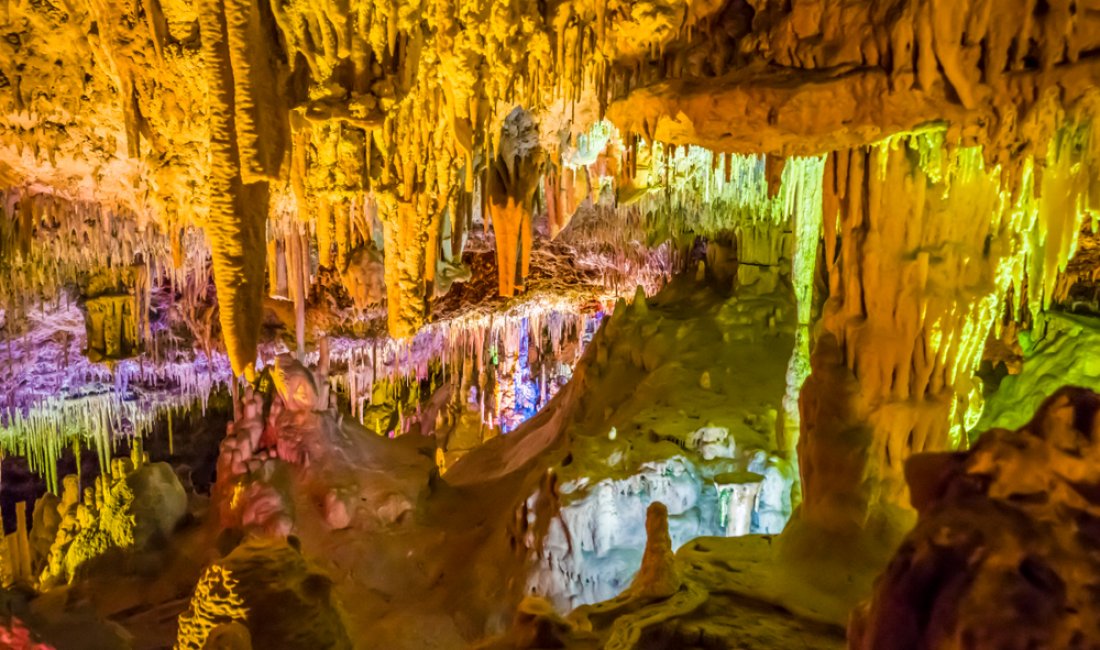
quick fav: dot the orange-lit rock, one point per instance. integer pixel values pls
(1002, 553)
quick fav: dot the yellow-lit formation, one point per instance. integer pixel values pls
(573, 323)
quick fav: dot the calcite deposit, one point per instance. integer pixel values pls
(585, 323)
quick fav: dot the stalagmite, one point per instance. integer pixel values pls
(658, 576)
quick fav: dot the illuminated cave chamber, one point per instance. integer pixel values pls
(646, 324)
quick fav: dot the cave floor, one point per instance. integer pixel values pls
(733, 621)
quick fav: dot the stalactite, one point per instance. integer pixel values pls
(325, 233)
(298, 282)
(238, 210)
(513, 179)
(804, 199)
(561, 199)
(915, 287)
(259, 117)
(405, 262)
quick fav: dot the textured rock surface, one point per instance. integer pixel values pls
(1052, 359)
(159, 503)
(1003, 553)
(270, 589)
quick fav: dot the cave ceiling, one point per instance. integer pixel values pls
(259, 131)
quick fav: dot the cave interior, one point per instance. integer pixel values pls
(517, 324)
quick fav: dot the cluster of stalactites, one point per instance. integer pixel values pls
(47, 245)
(922, 243)
(48, 426)
(396, 106)
(416, 131)
(466, 352)
(121, 264)
(692, 189)
(48, 242)
(405, 106)
(1035, 212)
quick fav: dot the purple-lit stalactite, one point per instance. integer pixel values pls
(526, 391)
(511, 365)
(537, 374)
(52, 394)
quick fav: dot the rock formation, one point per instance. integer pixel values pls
(1001, 555)
(269, 589)
(486, 289)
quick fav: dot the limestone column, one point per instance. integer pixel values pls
(912, 252)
